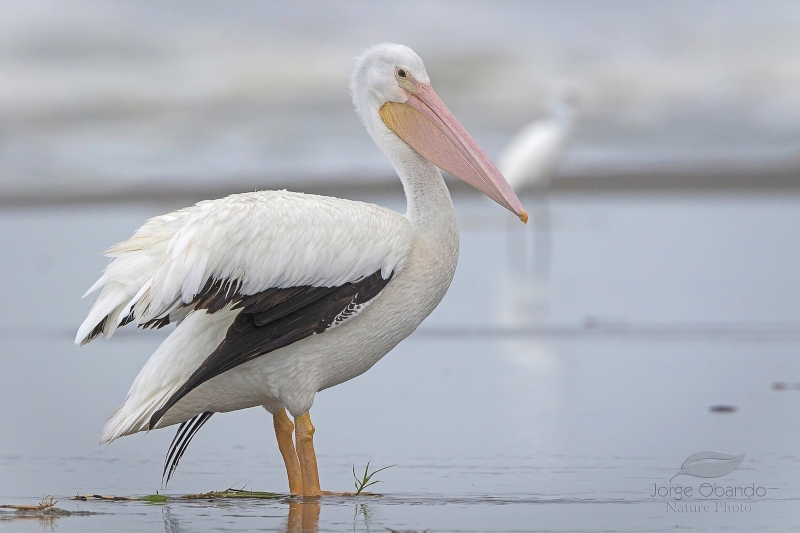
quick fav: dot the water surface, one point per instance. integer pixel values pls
(555, 388)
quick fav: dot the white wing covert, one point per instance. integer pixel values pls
(246, 243)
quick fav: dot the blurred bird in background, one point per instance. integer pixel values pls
(534, 155)
(529, 163)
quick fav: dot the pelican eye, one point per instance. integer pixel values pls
(401, 73)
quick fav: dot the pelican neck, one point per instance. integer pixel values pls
(428, 202)
(427, 199)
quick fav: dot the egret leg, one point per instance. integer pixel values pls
(304, 440)
(283, 431)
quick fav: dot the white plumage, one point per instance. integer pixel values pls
(265, 239)
(278, 295)
(532, 157)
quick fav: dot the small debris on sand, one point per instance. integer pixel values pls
(782, 385)
(47, 507)
(46, 504)
(234, 493)
(86, 497)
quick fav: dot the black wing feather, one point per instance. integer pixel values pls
(270, 320)
(180, 442)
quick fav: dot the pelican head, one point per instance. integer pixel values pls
(393, 96)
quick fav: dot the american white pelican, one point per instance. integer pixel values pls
(278, 295)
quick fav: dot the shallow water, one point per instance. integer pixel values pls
(551, 391)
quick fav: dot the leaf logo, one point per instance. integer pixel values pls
(710, 464)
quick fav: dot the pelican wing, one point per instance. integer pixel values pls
(276, 318)
(249, 274)
(218, 252)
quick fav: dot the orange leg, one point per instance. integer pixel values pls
(304, 440)
(303, 517)
(283, 431)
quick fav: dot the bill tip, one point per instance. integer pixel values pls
(524, 217)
